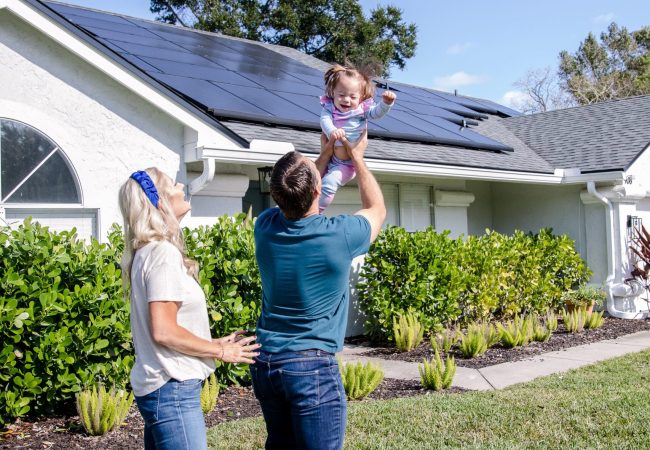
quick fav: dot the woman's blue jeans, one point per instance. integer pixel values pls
(302, 399)
(173, 419)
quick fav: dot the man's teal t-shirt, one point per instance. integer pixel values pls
(305, 269)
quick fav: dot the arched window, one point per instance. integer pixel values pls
(33, 169)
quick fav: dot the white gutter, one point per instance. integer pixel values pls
(209, 166)
(611, 255)
(268, 152)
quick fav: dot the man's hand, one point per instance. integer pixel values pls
(388, 97)
(338, 134)
(357, 150)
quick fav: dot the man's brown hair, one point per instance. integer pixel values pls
(293, 182)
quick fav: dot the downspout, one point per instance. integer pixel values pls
(206, 176)
(611, 252)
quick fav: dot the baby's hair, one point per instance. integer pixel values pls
(333, 76)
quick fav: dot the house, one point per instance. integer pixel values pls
(87, 97)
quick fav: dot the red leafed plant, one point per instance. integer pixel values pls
(640, 248)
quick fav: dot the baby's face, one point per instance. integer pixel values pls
(347, 93)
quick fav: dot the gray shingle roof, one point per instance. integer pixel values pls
(522, 159)
(594, 138)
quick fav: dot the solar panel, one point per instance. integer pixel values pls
(273, 104)
(235, 78)
(206, 94)
(204, 72)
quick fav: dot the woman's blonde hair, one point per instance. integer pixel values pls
(144, 223)
(334, 74)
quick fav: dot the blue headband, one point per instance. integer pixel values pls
(147, 185)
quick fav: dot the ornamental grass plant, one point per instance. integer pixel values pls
(574, 321)
(595, 320)
(209, 394)
(101, 411)
(408, 332)
(436, 375)
(473, 342)
(445, 340)
(551, 321)
(360, 380)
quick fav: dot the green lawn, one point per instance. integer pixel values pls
(606, 405)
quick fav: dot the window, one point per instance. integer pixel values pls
(33, 169)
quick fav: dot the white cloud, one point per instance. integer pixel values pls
(604, 19)
(457, 49)
(514, 99)
(456, 80)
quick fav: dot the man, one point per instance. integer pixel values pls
(304, 260)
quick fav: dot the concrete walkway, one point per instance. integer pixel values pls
(506, 374)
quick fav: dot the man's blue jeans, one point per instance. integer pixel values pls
(302, 398)
(173, 419)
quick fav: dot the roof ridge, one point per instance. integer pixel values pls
(583, 107)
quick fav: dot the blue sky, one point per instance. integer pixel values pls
(481, 47)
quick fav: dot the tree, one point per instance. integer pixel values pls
(332, 30)
(616, 67)
(542, 92)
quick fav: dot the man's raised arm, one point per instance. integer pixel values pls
(372, 199)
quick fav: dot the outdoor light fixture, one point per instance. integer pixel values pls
(264, 174)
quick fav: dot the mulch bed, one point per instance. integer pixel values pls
(560, 339)
(235, 403)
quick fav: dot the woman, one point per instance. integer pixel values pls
(169, 318)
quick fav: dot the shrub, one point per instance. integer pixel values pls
(446, 281)
(63, 320)
(435, 374)
(209, 394)
(406, 271)
(473, 342)
(407, 332)
(359, 380)
(101, 411)
(230, 279)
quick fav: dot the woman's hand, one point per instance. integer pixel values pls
(234, 350)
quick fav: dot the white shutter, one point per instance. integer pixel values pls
(415, 206)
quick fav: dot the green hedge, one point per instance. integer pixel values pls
(446, 281)
(64, 321)
(65, 324)
(230, 279)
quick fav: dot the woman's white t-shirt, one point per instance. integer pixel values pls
(158, 274)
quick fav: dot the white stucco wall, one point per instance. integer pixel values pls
(105, 130)
(531, 207)
(479, 213)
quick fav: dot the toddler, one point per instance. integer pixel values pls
(347, 106)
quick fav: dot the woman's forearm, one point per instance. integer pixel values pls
(183, 341)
